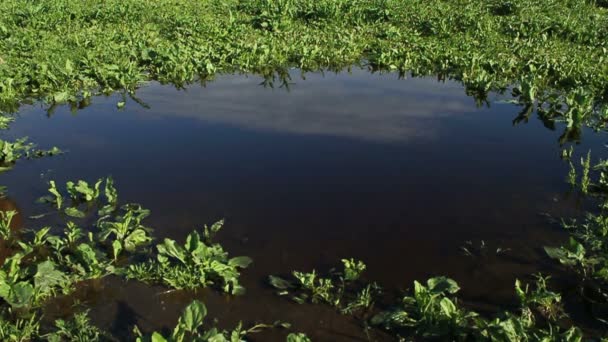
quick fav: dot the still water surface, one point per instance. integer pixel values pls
(397, 173)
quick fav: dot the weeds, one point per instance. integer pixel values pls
(11, 152)
(78, 329)
(198, 263)
(432, 312)
(585, 182)
(338, 289)
(43, 264)
(586, 252)
(190, 328)
(6, 218)
(19, 330)
(556, 61)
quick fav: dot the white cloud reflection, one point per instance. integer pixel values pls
(357, 105)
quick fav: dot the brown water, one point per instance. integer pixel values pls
(397, 173)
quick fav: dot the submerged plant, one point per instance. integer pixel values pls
(571, 175)
(45, 263)
(338, 289)
(547, 303)
(432, 312)
(11, 152)
(190, 327)
(198, 263)
(78, 329)
(298, 337)
(585, 181)
(19, 330)
(6, 218)
(126, 231)
(81, 191)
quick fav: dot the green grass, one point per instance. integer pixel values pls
(62, 50)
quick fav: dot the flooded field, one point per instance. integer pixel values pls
(399, 173)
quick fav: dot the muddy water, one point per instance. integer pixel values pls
(397, 173)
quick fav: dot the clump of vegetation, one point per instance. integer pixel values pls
(12, 151)
(557, 61)
(78, 329)
(190, 328)
(48, 262)
(431, 310)
(586, 252)
(339, 289)
(18, 330)
(198, 263)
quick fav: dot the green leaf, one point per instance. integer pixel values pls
(442, 285)
(74, 212)
(297, 337)
(193, 316)
(136, 238)
(87, 254)
(106, 210)
(58, 198)
(61, 97)
(447, 307)
(116, 248)
(47, 276)
(5, 287)
(279, 283)
(156, 337)
(242, 261)
(170, 248)
(20, 294)
(110, 191)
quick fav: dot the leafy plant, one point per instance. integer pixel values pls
(298, 337)
(6, 218)
(127, 231)
(431, 313)
(585, 181)
(571, 175)
(338, 289)
(81, 191)
(190, 328)
(548, 303)
(197, 263)
(20, 330)
(78, 329)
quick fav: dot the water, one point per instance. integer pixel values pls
(397, 173)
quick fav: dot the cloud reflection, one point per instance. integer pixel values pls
(357, 105)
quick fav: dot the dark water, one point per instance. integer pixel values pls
(397, 173)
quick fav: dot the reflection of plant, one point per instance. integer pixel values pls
(198, 263)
